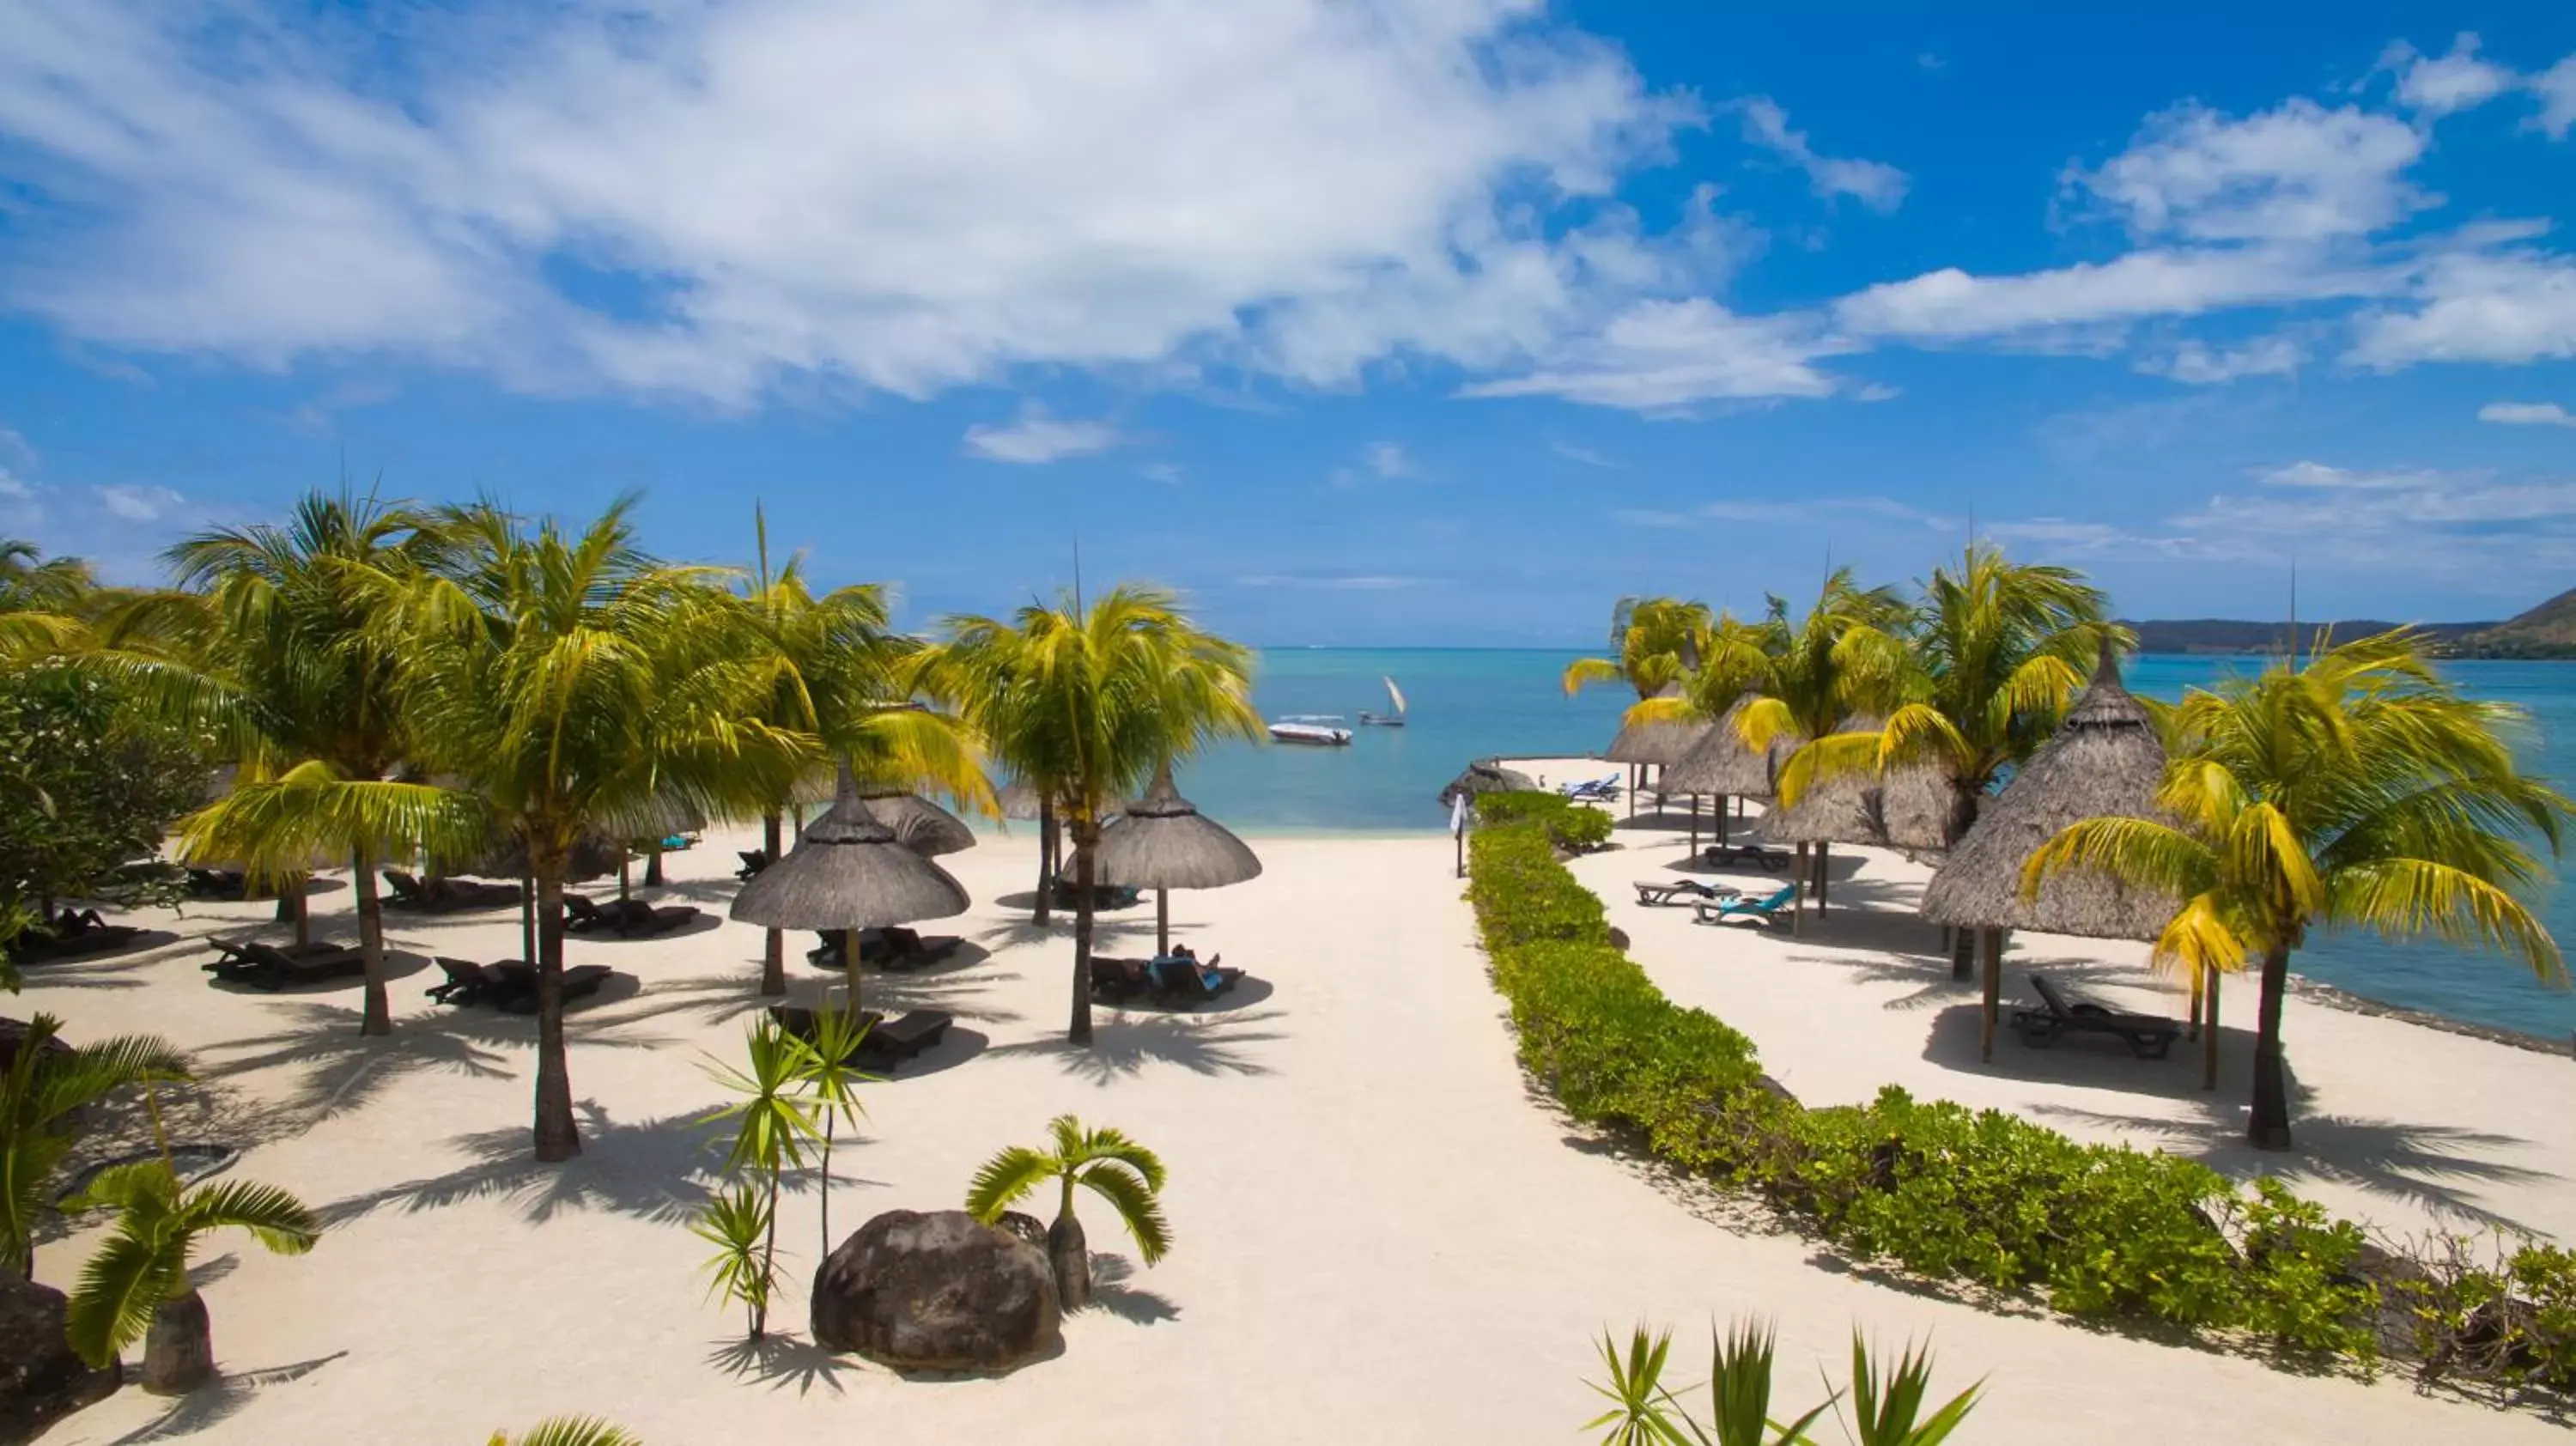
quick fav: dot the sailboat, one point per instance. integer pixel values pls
(1395, 719)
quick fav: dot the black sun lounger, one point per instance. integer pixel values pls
(885, 1044)
(266, 966)
(47, 942)
(2150, 1036)
(1769, 861)
(512, 984)
(467, 981)
(1677, 891)
(753, 861)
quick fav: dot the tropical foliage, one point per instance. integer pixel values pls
(789, 1096)
(1651, 641)
(44, 1096)
(569, 1431)
(1890, 1402)
(2359, 790)
(142, 1267)
(41, 601)
(88, 784)
(1085, 702)
(1103, 1161)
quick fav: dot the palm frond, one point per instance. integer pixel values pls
(1006, 1179)
(119, 1289)
(273, 1217)
(1138, 1208)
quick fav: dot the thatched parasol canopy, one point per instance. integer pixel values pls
(2105, 762)
(1913, 807)
(1487, 775)
(1720, 763)
(848, 872)
(919, 825)
(1164, 842)
(1661, 743)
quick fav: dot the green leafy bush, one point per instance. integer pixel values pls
(1574, 827)
(1947, 1193)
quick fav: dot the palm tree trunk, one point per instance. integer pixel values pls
(528, 919)
(2209, 1034)
(773, 958)
(1993, 940)
(371, 942)
(179, 1347)
(1085, 834)
(1798, 881)
(302, 904)
(2269, 1128)
(1824, 856)
(1046, 857)
(558, 1137)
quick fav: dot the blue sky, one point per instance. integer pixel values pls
(1381, 321)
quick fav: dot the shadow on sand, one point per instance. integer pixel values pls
(211, 1405)
(656, 1171)
(1114, 1293)
(1122, 1044)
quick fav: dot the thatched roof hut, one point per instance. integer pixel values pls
(1914, 807)
(1720, 763)
(1486, 775)
(919, 825)
(1162, 843)
(2105, 762)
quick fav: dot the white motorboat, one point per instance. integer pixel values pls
(1395, 719)
(1313, 730)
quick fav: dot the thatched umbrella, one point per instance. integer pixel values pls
(1659, 744)
(919, 825)
(1164, 843)
(849, 873)
(2105, 762)
(1908, 808)
(1722, 765)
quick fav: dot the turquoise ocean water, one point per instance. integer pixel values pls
(1468, 703)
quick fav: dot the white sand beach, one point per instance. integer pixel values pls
(1382, 1235)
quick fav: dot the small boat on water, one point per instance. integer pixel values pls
(1312, 729)
(1395, 719)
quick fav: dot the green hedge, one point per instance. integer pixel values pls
(1574, 827)
(1950, 1194)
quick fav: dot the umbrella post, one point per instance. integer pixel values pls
(1824, 856)
(1721, 819)
(1994, 994)
(2196, 994)
(1694, 833)
(2209, 1038)
(1798, 882)
(850, 970)
(1162, 922)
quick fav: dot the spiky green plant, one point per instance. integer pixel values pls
(830, 1082)
(1888, 1400)
(741, 1223)
(42, 1095)
(2360, 790)
(1085, 702)
(569, 1431)
(1103, 1161)
(772, 1123)
(137, 1283)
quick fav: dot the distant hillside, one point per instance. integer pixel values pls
(2547, 631)
(2222, 635)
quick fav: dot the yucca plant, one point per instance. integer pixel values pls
(137, 1287)
(1103, 1161)
(569, 1431)
(41, 1096)
(824, 1074)
(1888, 1402)
(772, 1123)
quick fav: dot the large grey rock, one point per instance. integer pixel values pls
(41, 1381)
(937, 1292)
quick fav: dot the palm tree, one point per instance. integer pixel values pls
(2360, 791)
(568, 680)
(137, 1285)
(569, 1431)
(42, 1097)
(772, 1123)
(1086, 703)
(1103, 1161)
(273, 642)
(834, 668)
(41, 600)
(1649, 637)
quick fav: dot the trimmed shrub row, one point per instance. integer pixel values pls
(1949, 1194)
(1574, 827)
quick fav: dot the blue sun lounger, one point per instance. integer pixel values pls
(1747, 911)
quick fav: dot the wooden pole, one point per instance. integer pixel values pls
(1694, 832)
(1994, 992)
(1162, 922)
(1799, 880)
(2195, 1003)
(2209, 1038)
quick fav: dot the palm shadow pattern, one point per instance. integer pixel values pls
(1114, 1292)
(659, 1170)
(782, 1361)
(1124, 1044)
(219, 1401)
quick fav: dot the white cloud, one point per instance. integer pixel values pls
(1663, 356)
(2197, 364)
(1036, 437)
(1584, 455)
(2527, 414)
(2507, 307)
(1804, 509)
(139, 504)
(1386, 459)
(2318, 474)
(1333, 582)
(14, 489)
(1874, 184)
(1298, 187)
(2296, 173)
(1951, 304)
(2556, 88)
(1166, 473)
(2455, 81)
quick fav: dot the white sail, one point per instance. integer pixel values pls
(1394, 694)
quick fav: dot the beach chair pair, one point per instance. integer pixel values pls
(1183, 980)
(882, 1045)
(895, 948)
(2065, 1012)
(1769, 861)
(1596, 790)
(1766, 910)
(1661, 892)
(1065, 894)
(272, 967)
(448, 895)
(511, 985)
(71, 935)
(217, 884)
(626, 918)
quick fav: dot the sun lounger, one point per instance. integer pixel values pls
(467, 981)
(1113, 980)
(650, 920)
(74, 937)
(1595, 790)
(1186, 980)
(1103, 896)
(268, 967)
(884, 1044)
(2149, 1036)
(896, 948)
(1746, 911)
(581, 913)
(1678, 891)
(627, 918)
(1769, 861)
(513, 984)
(217, 884)
(440, 895)
(753, 861)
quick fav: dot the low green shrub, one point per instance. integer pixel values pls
(1574, 827)
(1947, 1193)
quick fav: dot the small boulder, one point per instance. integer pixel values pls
(937, 1292)
(41, 1380)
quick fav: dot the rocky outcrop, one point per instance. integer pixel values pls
(937, 1292)
(41, 1380)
